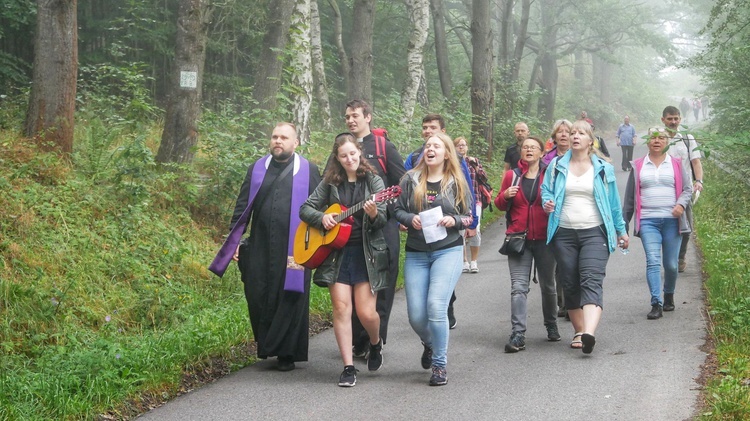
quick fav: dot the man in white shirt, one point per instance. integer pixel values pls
(684, 147)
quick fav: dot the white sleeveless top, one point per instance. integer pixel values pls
(579, 209)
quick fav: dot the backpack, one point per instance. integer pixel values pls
(483, 185)
(381, 136)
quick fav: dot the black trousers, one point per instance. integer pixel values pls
(627, 156)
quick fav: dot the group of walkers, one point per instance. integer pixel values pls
(698, 105)
(562, 206)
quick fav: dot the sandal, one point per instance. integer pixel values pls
(576, 343)
(588, 343)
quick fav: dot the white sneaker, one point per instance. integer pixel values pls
(473, 267)
(466, 267)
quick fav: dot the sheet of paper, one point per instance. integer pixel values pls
(430, 218)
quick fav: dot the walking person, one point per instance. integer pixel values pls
(580, 195)
(626, 141)
(685, 148)
(356, 272)
(561, 138)
(277, 292)
(385, 159)
(658, 192)
(435, 205)
(520, 196)
(473, 237)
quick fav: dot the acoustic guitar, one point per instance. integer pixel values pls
(313, 245)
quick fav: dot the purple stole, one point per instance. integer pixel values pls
(295, 274)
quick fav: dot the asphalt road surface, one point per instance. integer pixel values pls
(640, 369)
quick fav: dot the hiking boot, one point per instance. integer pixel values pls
(452, 322)
(466, 267)
(552, 333)
(439, 376)
(426, 357)
(375, 357)
(473, 267)
(668, 302)
(348, 377)
(681, 265)
(517, 343)
(655, 312)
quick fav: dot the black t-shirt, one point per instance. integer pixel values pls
(433, 189)
(351, 193)
(512, 156)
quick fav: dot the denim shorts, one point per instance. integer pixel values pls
(353, 266)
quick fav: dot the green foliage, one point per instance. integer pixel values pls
(723, 232)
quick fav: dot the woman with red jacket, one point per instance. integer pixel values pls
(521, 197)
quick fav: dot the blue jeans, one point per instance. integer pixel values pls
(661, 237)
(430, 278)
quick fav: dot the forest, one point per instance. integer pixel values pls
(126, 128)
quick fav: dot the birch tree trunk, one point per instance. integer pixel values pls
(360, 57)
(338, 36)
(481, 77)
(318, 66)
(419, 17)
(441, 48)
(50, 116)
(302, 67)
(180, 134)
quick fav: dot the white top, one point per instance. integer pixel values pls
(579, 210)
(678, 150)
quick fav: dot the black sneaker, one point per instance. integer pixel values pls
(360, 351)
(655, 313)
(439, 376)
(552, 334)
(451, 318)
(517, 343)
(348, 377)
(426, 357)
(375, 357)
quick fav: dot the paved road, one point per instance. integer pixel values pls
(640, 369)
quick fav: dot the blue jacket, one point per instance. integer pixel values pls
(605, 194)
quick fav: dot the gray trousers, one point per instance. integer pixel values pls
(520, 278)
(582, 257)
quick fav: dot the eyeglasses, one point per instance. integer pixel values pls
(530, 148)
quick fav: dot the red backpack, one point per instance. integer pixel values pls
(381, 136)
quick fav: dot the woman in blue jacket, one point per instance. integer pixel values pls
(585, 223)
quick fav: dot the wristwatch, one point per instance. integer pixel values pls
(699, 181)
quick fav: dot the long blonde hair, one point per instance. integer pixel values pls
(451, 170)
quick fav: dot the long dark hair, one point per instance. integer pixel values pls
(335, 173)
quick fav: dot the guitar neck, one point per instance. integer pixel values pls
(352, 210)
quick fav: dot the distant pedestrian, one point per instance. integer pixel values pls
(473, 238)
(585, 223)
(355, 273)
(520, 196)
(657, 194)
(704, 107)
(685, 108)
(435, 188)
(697, 108)
(626, 140)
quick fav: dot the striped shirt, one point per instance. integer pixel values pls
(657, 189)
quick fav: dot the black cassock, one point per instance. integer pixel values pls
(279, 319)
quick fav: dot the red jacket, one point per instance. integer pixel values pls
(520, 217)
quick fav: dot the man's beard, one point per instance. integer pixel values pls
(281, 156)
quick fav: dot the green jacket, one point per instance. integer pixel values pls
(373, 241)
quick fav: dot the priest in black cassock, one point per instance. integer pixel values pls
(276, 288)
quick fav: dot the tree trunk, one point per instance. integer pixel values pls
(461, 38)
(419, 17)
(270, 66)
(50, 116)
(302, 77)
(441, 48)
(506, 28)
(481, 77)
(180, 133)
(549, 83)
(579, 69)
(360, 57)
(318, 66)
(520, 40)
(338, 35)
